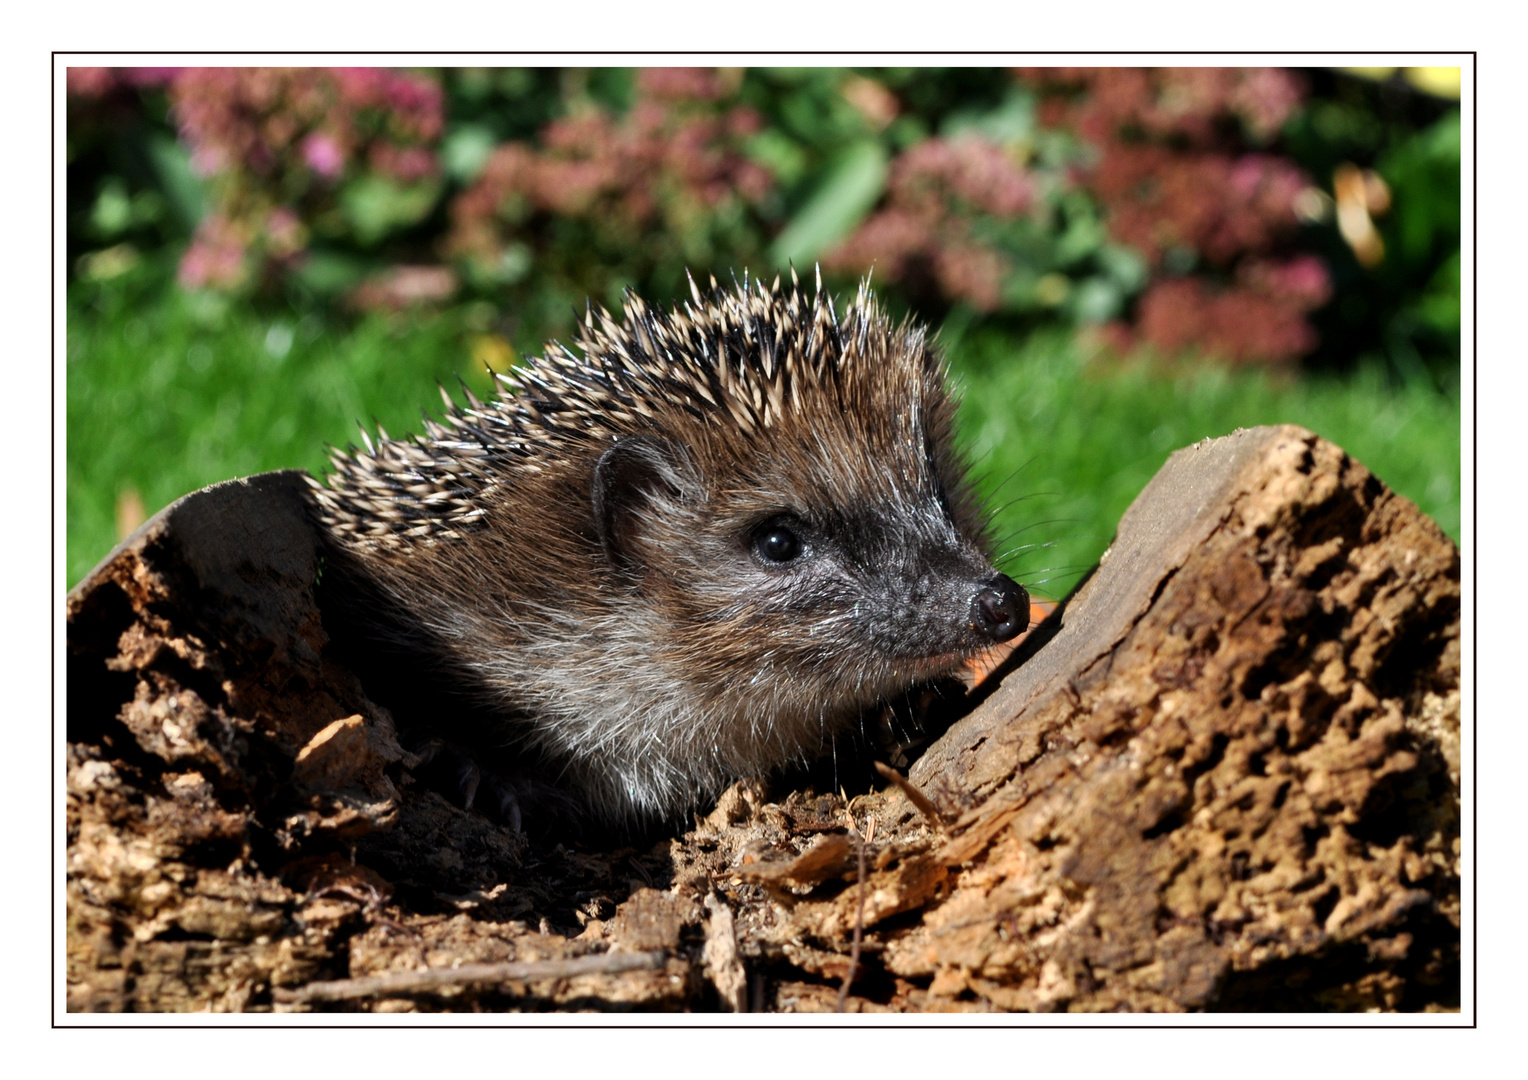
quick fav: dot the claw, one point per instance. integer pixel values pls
(452, 770)
(468, 777)
(505, 801)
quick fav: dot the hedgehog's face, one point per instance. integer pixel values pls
(894, 588)
(844, 574)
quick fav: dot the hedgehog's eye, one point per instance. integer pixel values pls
(777, 543)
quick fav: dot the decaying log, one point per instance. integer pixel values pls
(1223, 775)
(1235, 765)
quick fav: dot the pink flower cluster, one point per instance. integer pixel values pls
(275, 141)
(685, 84)
(923, 237)
(226, 249)
(400, 287)
(265, 121)
(1174, 176)
(668, 164)
(217, 256)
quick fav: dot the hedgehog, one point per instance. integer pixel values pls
(693, 549)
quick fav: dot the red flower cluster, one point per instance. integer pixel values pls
(924, 233)
(663, 169)
(1190, 103)
(1237, 324)
(1216, 205)
(1175, 177)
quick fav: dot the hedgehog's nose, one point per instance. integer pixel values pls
(1001, 609)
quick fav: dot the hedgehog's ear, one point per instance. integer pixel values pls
(639, 473)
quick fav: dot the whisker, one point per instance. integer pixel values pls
(1025, 548)
(1009, 478)
(1003, 508)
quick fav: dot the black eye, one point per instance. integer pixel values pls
(776, 543)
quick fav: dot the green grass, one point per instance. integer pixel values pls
(1062, 449)
(167, 394)
(165, 398)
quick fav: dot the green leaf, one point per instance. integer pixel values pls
(329, 273)
(1012, 121)
(1083, 236)
(375, 205)
(779, 153)
(1096, 300)
(1125, 266)
(465, 151)
(851, 184)
(1440, 306)
(183, 189)
(113, 210)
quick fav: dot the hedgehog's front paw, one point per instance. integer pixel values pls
(506, 796)
(451, 769)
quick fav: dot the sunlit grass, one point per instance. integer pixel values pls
(1062, 449)
(167, 395)
(162, 402)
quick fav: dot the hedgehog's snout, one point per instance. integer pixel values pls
(950, 605)
(1000, 610)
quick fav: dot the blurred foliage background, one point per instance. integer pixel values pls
(1120, 261)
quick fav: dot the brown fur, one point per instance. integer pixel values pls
(582, 551)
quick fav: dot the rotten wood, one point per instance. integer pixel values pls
(1223, 774)
(438, 980)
